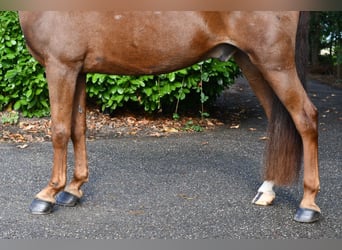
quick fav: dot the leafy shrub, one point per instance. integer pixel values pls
(22, 82)
(23, 85)
(207, 79)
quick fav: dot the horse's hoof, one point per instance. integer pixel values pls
(264, 198)
(307, 215)
(39, 206)
(67, 199)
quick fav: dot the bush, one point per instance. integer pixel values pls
(207, 79)
(23, 85)
(22, 82)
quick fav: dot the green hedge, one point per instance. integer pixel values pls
(23, 86)
(22, 82)
(203, 82)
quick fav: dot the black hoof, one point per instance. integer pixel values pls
(306, 215)
(41, 207)
(67, 199)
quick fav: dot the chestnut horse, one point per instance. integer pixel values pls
(268, 46)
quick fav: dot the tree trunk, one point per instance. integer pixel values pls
(315, 38)
(339, 60)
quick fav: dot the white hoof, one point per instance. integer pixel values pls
(264, 198)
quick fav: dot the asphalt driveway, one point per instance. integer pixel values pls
(188, 186)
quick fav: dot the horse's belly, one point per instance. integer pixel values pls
(154, 60)
(149, 63)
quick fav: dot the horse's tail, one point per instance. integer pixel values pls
(284, 149)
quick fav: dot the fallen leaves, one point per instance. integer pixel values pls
(22, 146)
(136, 212)
(170, 129)
(235, 126)
(187, 197)
(27, 130)
(101, 125)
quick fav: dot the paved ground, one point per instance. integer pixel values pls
(183, 186)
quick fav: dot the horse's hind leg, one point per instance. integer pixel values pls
(72, 192)
(61, 81)
(264, 93)
(291, 93)
(286, 85)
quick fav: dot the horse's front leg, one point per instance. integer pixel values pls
(61, 81)
(72, 192)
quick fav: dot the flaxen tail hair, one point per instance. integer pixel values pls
(284, 149)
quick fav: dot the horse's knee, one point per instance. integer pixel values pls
(77, 132)
(60, 134)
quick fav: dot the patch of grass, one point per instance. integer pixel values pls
(10, 118)
(191, 126)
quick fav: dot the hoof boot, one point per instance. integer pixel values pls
(67, 199)
(39, 206)
(307, 215)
